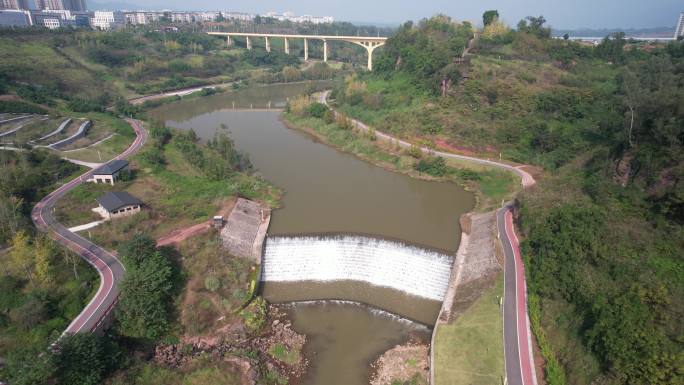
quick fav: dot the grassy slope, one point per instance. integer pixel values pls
(472, 343)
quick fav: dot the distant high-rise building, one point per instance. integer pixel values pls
(68, 5)
(680, 26)
(14, 4)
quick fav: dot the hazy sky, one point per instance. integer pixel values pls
(559, 13)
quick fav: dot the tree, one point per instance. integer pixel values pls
(135, 251)
(28, 365)
(43, 252)
(489, 16)
(84, 359)
(566, 37)
(21, 256)
(143, 310)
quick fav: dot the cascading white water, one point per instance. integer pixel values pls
(413, 270)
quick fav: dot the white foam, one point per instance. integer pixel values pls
(413, 270)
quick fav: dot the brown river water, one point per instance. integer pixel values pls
(327, 191)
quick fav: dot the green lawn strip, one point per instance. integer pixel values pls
(469, 351)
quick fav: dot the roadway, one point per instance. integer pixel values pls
(108, 266)
(518, 358)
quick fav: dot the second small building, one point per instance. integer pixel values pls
(118, 204)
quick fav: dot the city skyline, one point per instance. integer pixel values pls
(560, 14)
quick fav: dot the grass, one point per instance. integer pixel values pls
(200, 371)
(282, 353)
(469, 351)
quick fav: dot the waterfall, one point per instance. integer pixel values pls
(413, 270)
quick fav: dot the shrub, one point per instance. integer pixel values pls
(212, 283)
(435, 166)
(15, 106)
(317, 110)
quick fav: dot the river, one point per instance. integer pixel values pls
(327, 191)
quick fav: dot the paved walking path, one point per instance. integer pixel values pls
(110, 269)
(519, 360)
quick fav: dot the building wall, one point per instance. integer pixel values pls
(123, 212)
(71, 5)
(109, 179)
(11, 18)
(680, 26)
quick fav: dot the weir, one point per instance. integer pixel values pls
(414, 270)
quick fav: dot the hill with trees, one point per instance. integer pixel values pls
(603, 230)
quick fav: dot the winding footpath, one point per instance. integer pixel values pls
(108, 266)
(518, 354)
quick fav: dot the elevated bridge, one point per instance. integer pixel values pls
(368, 42)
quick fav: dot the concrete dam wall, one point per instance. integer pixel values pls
(413, 270)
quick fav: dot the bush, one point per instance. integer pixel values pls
(433, 166)
(15, 106)
(317, 110)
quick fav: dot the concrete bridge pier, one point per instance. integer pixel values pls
(249, 43)
(306, 50)
(287, 47)
(268, 45)
(325, 50)
(228, 41)
(370, 46)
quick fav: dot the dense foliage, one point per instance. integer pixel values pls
(426, 51)
(144, 307)
(604, 227)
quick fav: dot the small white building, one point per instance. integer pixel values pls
(110, 172)
(115, 204)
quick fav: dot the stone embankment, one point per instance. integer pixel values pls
(410, 269)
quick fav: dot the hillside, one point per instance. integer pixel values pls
(603, 230)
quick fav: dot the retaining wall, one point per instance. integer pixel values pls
(82, 130)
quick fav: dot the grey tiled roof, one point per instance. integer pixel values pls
(115, 200)
(111, 167)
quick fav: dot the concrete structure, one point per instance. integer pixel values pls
(15, 4)
(245, 229)
(118, 204)
(368, 42)
(70, 5)
(15, 18)
(142, 17)
(82, 130)
(289, 16)
(110, 172)
(679, 31)
(107, 20)
(414, 270)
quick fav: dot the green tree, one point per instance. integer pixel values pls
(28, 365)
(143, 309)
(84, 359)
(137, 250)
(489, 16)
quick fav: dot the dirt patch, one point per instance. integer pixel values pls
(403, 363)
(462, 150)
(179, 235)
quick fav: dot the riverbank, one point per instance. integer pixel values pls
(475, 269)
